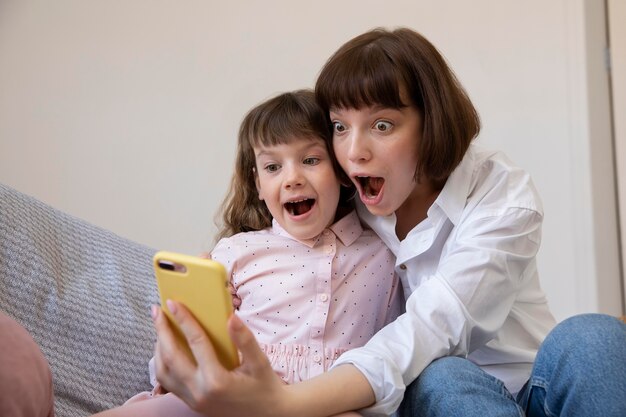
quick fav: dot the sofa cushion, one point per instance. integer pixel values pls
(84, 294)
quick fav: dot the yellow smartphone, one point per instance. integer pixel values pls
(202, 286)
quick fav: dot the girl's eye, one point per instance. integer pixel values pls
(272, 167)
(338, 127)
(383, 126)
(311, 161)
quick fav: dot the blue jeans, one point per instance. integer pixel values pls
(580, 370)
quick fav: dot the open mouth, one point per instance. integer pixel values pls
(296, 208)
(371, 186)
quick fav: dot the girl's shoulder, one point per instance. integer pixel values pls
(251, 237)
(228, 249)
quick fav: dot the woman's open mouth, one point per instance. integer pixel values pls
(299, 207)
(370, 186)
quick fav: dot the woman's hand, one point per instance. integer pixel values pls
(206, 386)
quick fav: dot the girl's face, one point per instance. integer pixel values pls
(298, 184)
(378, 148)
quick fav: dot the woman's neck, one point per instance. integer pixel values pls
(415, 208)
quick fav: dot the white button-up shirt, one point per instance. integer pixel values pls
(470, 278)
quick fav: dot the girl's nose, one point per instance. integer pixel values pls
(294, 178)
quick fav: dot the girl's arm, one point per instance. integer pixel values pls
(253, 388)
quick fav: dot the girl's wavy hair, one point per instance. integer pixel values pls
(379, 67)
(279, 120)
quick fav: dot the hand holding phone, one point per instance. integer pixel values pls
(202, 286)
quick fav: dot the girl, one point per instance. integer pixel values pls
(312, 283)
(465, 225)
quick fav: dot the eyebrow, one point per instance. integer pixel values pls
(374, 107)
(313, 143)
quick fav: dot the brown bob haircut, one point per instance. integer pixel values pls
(278, 120)
(380, 67)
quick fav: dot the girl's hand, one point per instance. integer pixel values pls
(234, 296)
(206, 386)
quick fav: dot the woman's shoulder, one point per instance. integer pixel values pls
(491, 160)
(494, 179)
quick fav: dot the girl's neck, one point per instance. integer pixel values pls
(415, 208)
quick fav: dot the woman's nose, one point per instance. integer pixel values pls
(358, 148)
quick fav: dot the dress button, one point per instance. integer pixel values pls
(403, 267)
(323, 297)
(329, 250)
(326, 232)
(317, 358)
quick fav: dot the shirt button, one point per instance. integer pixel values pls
(403, 267)
(326, 232)
(323, 297)
(317, 358)
(329, 250)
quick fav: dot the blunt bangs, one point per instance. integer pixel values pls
(288, 116)
(361, 76)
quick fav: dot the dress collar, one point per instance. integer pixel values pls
(347, 229)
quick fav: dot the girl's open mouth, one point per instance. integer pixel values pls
(371, 186)
(297, 208)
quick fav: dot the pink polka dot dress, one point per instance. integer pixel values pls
(309, 301)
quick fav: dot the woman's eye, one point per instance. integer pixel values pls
(383, 126)
(311, 161)
(338, 127)
(272, 167)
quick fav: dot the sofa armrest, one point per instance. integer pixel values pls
(84, 294)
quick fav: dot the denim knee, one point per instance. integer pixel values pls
(587, 336)
(579, 368)
(456, 386)
(443, 371)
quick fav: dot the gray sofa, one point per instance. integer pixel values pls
(84, 294)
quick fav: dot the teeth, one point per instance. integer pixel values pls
(297, 207)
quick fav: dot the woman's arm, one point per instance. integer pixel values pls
(253, 388)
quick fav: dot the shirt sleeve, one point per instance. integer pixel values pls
(457, 309)
(225, 252)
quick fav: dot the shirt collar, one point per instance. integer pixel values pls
(453, 196)
(347, 229)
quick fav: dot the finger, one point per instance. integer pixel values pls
(171, 362)
(205, 255)
(234, 297)
(253, 357)
(199, 343)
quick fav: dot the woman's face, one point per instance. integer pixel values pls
(378, 148)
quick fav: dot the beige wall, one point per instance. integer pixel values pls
(125, 113)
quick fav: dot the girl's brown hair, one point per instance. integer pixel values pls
(379, 67)
(279, 120)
